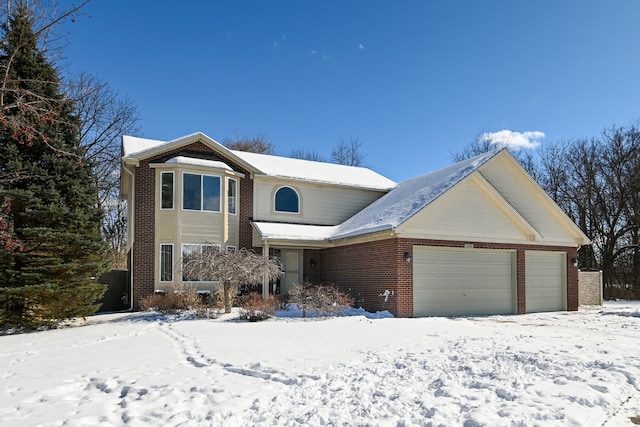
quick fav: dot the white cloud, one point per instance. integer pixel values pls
(314, 52)
(515, 140)
(361, 46)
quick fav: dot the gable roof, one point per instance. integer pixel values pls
(135, 149)
(409, 197)
(319, 172)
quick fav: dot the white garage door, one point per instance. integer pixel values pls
(545, 281)
(453, 282)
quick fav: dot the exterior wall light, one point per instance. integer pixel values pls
(312, 263)
(407, 256)
(574, 261)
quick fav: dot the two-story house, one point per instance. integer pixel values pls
(478, 237)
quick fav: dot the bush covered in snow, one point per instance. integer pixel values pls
(254, 308)
(319, 299)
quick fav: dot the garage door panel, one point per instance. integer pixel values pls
(545, 281)
(462, 281)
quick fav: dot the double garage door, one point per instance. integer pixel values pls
(461, 281)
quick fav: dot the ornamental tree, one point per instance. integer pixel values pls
(230, 269)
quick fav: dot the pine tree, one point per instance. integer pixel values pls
(52, 249)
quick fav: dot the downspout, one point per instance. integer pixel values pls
(131, 231)
(265, 279)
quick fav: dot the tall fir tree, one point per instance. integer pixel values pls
(52, 249)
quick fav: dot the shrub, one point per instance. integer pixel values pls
(254, 308)
(179, 297)
(319, 299)
(47, 305)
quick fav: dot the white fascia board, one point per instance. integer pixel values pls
(504, 204)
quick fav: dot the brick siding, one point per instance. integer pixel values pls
(366, 270)
(144, 246)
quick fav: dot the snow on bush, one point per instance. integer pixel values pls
(319, 299)
(253, 307)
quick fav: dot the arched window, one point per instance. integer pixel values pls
(287, 200)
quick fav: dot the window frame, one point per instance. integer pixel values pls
(202, 192)
(173, 190)
(163, 263)
(182, 253)
(275, 201)
(235, 196)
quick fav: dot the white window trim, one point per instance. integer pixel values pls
(182, 256)
(287, 212)
(173, 193)
(235, 212)
(172, 263)
(202, 175)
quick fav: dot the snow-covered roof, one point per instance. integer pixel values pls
(280, 231)
(132, 145)
(199, 162)
(307, 170)
(386, 213)
(276, 166)
(409, 197)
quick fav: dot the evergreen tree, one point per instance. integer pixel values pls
(52, 249)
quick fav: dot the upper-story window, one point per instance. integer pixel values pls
(201, 192)
(232, 196)
(166, 190)
(287, 200)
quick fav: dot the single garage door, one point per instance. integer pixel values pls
(461, 281)
(545, 281)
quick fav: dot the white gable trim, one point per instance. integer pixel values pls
(506, 207)
(135, 157)
(581, 238)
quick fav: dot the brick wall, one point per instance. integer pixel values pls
(366, 270)
(143, 261)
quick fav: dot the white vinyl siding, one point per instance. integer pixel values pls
(532, 203)
(458, 281)
(545, 281)
(465, 213)
(320, 204)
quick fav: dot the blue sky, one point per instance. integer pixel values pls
(412, 80)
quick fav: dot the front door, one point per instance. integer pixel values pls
(291, 269)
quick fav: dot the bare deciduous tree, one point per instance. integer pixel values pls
(307, 155)
(596, 182)
(348, 153)
(105, 116)
(231, 269)
(254, 144)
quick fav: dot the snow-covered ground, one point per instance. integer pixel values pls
(552, 369)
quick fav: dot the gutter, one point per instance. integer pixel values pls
(131, 230)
